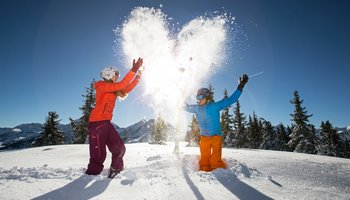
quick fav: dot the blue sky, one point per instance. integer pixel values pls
(51, 50)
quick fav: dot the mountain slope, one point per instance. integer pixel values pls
(141, 132)
(23, 135)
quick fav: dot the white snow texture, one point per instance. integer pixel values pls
(155, 172)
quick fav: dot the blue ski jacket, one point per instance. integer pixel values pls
(208, 115)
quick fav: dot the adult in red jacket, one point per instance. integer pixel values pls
(101, 131)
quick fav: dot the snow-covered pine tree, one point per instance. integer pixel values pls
(193, 135)
(51, 134)
(239, 127)
(158, 132)
(346, 149)
(281, 138)
(80, 126)
(330, 144)
(314, 141)
(226, 124)
(289, 133)
(303, 136)
(254, 132)
(268, 136)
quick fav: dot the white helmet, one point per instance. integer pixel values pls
(107, 73)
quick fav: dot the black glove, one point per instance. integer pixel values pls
(242, 81)
(136, 65)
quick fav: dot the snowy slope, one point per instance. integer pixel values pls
(23, 135)
(138, 132)
(21, 131)
(344, 133)
(141, 132)
(155, 172)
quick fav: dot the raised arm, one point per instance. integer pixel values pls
(112, 87)
(123, 84)
(235, 95)
(133, 83)
(190, 108)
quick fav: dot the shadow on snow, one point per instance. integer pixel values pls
(85, 187)
(228, 179)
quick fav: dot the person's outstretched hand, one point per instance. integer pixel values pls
(136, 65)
(139, 74)
(242, 81)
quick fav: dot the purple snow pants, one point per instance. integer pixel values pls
(103, 133)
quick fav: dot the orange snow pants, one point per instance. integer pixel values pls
(211, 150)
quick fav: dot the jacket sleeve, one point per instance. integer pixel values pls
(190, 108)
(132, 85)
(112, 87)
(229, 101)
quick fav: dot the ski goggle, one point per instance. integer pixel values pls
(200, 97)
(116, 73)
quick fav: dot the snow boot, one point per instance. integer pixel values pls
(113, 172)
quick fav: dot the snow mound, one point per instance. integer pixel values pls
(130, 175)
(242, 170)
(44, 172)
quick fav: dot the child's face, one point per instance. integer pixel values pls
(202, 102)
(114, 79)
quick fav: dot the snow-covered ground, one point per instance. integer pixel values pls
(155, 172)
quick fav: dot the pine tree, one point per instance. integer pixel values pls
(313, 140)
(346, 149)
(302, 137)
(193, 135)
(226, 124)
(239, 127)
(51, 134)
(289, 133)
(268, 136)
(254, 132)
(330, 143)
(281, 138)
(80, 126)
(158, 132)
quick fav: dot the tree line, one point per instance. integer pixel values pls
(238, 131)
(258, 133)
(51, 135)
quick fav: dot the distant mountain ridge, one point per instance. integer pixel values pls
(23, 135)
(141, 131)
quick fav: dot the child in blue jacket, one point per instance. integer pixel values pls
(208, 116)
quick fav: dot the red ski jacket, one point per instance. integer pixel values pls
(106, 97)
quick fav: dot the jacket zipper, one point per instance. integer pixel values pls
(104, 108)
(205, 124)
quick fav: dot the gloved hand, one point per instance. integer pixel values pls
(121, 94)
(242, 81)
(136, 65)
(139, 74)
